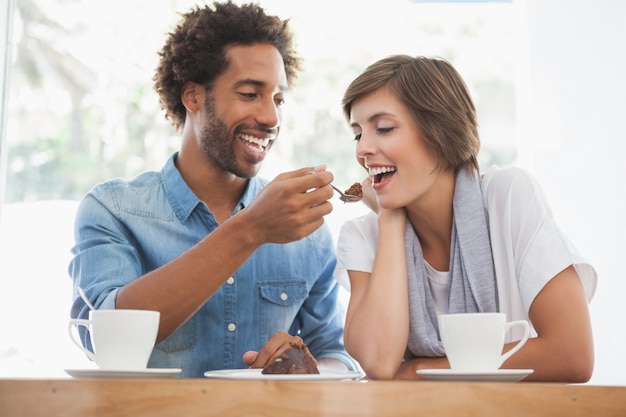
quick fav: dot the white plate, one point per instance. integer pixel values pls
(256, 374)
(112, 373)
(501, 375)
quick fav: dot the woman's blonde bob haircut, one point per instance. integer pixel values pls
(437, 97)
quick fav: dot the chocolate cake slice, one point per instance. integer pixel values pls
(294, 360)
(355, 189)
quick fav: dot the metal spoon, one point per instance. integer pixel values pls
(85, 299)
(346, 198)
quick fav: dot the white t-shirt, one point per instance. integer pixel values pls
(528, 247)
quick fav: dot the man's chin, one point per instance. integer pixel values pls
(252, 170)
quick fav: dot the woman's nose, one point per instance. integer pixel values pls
(364, 146)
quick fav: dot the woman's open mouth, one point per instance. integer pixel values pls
(379, 174)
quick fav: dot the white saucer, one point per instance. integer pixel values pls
(113, 373)
(256, 374)
(501, 375)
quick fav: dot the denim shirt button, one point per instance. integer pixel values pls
(231, 327)
(230, 281)
(284, 296)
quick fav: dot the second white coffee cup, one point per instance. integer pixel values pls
(473, 342)
(121, 339)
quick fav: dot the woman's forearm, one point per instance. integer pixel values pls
(377, 324)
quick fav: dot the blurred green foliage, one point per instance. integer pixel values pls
(82, 109)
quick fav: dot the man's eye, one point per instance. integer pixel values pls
(357, 137)
(248, 95)
(279, 101)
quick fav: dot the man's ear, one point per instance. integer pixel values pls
(192, 95)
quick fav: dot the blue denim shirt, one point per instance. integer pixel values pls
(125, 229)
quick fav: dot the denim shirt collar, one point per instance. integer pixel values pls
(184, 201)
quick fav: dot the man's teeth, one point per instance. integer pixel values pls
(260, 142)
(380, 170)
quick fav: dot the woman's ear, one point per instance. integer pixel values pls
(192, 95)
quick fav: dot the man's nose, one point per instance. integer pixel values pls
(269, 114)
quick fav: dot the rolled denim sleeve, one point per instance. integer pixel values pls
(105, 258)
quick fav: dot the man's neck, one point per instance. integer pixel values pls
(218, 189)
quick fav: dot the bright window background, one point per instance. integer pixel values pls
(81, 110)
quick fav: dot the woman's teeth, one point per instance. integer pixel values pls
(380, 170)
(377, 173)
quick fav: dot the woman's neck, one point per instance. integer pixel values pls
(431, 217)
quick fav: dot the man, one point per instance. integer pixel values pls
(227, 258)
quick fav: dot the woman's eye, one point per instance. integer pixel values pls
(357, 137)
(384, 130)
(279, 101)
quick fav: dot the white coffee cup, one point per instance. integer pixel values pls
(473, 342)
(121, 339)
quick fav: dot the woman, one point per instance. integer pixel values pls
(445, 238)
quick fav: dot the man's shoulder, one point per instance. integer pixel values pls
(142, 183)
(143, 195)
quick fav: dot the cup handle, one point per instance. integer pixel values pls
(80, 322)
(521, 342)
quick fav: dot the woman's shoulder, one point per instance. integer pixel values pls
(513, 191)
(506, 177)
(509, 183)
(364, 224)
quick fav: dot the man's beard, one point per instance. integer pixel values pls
(218, 145)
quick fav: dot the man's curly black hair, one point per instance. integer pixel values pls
(196, 49)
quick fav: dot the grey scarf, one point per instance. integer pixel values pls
(472, 283)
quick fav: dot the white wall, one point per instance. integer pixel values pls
(572, 125)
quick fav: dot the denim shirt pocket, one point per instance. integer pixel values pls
(183, 338)
(280, 303)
